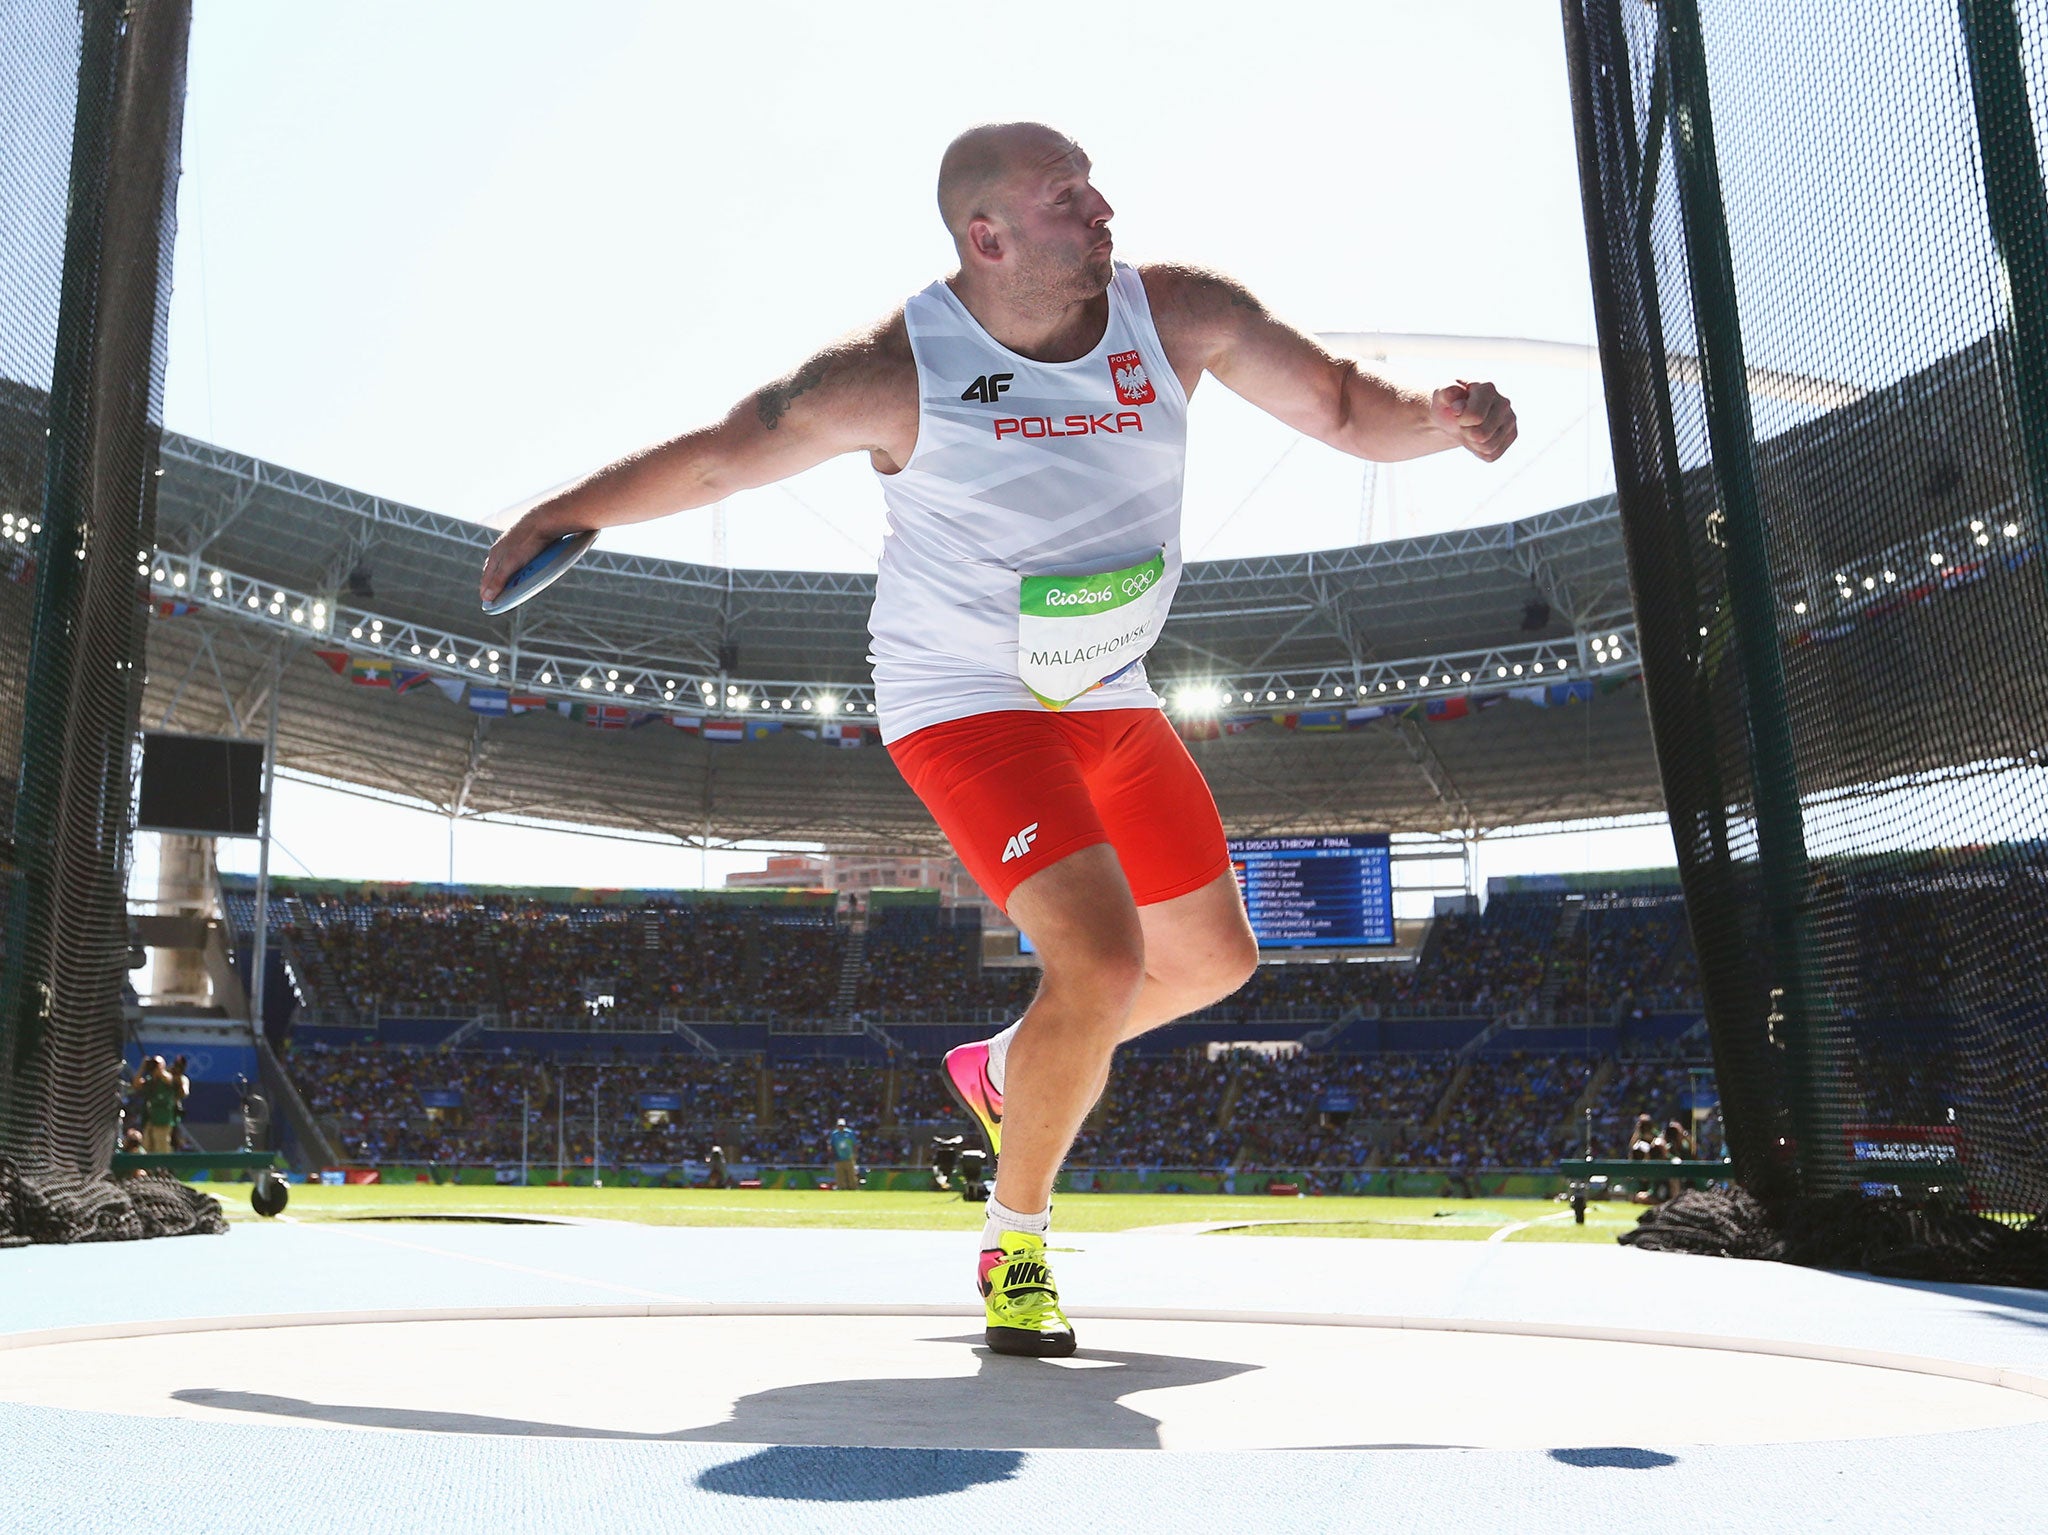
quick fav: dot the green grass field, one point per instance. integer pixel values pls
(1454, 1219)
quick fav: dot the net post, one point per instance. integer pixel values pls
(2017, 209)
(1619, 170)
(1798, 1026)
(259, 940)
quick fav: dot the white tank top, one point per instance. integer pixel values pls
(1021, 468)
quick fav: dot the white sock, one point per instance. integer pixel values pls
(1002, 1218)
(998, 1053)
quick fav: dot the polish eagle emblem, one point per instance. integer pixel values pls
(1133, 384)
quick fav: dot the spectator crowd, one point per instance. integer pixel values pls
(1241, 1110)
(407, 950)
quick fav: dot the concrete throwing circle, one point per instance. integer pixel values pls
(925, 1380)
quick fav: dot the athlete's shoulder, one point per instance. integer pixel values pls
(876, 353)
(1190, 291)
(865, 372)
(1196, 309)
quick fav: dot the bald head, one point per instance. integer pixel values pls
(980, 167)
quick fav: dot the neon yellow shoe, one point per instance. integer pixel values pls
(1024, 1315)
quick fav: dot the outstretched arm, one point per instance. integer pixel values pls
(1211, 322)
(858, 395)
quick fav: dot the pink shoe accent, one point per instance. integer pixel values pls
(991, 1258)
(965, 1071)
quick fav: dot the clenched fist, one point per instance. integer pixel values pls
(1477, 417)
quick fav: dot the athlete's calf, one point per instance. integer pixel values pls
(1080, 915)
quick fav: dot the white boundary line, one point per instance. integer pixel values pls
(1509, 1230)
(1785, 1348)
(383, 1240)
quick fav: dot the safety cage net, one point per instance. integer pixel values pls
(91, 106)
(1819, 251)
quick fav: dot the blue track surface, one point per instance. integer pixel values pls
(68, 1470)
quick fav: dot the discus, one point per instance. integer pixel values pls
(542, 571)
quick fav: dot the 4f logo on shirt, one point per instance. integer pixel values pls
(988, 386)
(1133, 387)
(1020, 844)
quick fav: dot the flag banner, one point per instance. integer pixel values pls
(171, 607)
(337, 660)
(1447, 708)
(843, 735)
(690, 722)
(1888, 602)
(490, 701)
(724, 730)
(451, 688)
(1952, 577)
(602, 716)
(406, 681)
(760, 730)
(1316, 719)
(1353, 718)
(369, 671)
(1827, 633)
(525, 703)
(1553, 695)
(1200, 730)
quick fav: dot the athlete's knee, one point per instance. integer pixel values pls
(1098, 972)
(1092, 974)
(1220, 966)
(1234, 960)
(1080, 915)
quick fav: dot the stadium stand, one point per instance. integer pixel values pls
(429, 1015)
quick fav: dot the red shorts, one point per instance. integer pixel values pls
(1015, 791)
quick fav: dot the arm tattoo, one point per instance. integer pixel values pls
(773, 402)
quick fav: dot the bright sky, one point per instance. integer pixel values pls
(454, 254)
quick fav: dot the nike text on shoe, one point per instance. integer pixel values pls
(1023, 1307)
(965, 1073)
(1020, 844)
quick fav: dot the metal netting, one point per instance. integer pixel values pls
(1819, 248)
(91, 104)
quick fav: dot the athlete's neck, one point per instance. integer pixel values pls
(1049, 332)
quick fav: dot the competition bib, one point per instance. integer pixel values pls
(1074, 633)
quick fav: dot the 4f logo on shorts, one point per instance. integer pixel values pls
(1020, 844)
(1133, 387)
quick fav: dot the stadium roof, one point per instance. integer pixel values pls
(306, 565)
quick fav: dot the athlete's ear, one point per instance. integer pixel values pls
(983, 240)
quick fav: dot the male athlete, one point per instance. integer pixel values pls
(1027, 418)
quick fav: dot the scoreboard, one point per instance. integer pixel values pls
(1305, 892)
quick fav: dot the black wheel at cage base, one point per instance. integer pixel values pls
(269, 1194)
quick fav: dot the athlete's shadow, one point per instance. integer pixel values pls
(1007, 1404)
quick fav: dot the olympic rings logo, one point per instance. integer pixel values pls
(1133, 585)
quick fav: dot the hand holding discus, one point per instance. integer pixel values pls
(526, 560)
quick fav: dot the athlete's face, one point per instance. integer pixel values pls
(1059, 227)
